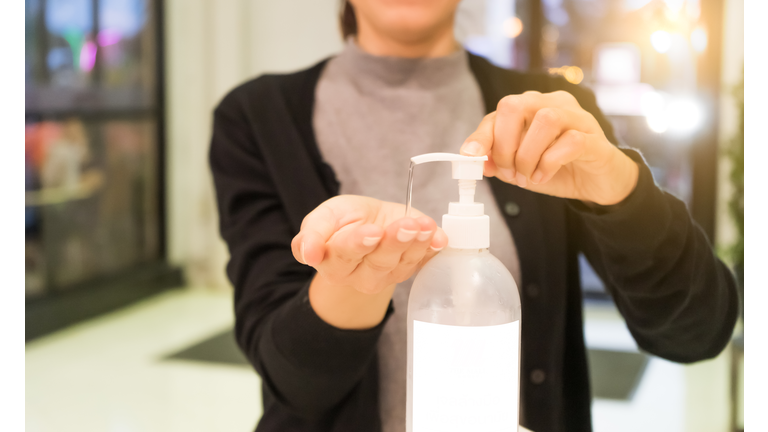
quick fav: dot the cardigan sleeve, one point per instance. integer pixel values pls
(308, 365)
(678, 299)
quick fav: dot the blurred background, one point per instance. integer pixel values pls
(128, 311)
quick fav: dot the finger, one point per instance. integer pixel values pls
(569, 147)
(489, 168)
(346, 250)
(413, 255)
(308, 246)
(378, 264)
(398, 237)
(564, 99)
(547, 125)
(439, 241)
(512, 112)
(479, 143)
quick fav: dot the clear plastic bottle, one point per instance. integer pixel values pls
(463, 325)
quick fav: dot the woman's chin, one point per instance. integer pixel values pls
(409, 21)
(413, 29)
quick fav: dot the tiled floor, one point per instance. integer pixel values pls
(109, 374)
(670, 396)
(138, 370)
(658, 403)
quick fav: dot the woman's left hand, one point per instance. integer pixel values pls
(548, 144)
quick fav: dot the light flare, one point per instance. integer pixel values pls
(88, 56)
(513, 26)
(661, 41)
(699, 39)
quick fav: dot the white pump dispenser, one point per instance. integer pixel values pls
(465, 224)
(463, 323)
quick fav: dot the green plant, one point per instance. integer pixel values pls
(734, 151)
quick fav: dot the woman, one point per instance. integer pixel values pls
(322, 279)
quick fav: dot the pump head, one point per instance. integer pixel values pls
(465, 224)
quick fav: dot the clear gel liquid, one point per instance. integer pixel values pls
(409, 192)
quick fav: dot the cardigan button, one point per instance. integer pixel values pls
(532, 290)
(511, 208)
(538, 376)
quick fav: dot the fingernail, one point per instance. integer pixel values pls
(405, 235)
(435, 249)
(472, 148)
(303, 260)
(506, 173)
(423, 235)
(521, 180)
(536, 177)
(370, 241)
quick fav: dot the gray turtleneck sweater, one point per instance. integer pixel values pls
(372, 114)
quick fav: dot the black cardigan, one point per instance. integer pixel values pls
(678, 299)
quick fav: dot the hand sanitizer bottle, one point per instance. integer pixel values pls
(463, 324)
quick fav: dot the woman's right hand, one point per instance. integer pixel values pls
(361, 248)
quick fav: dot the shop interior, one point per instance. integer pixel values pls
(129, 321)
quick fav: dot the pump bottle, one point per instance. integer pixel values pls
(463, 323)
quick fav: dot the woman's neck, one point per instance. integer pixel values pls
(437, 44)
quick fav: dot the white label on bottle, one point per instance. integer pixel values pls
(465, 378)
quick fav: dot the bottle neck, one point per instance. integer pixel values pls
(466, 232)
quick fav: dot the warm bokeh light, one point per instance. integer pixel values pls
(572, 74)
(699, 39)
(513, 26)
(631, 5)
(616, 63)
(678, 115)
(684, 115)
(657, 123)
(674, 9)
(652, 106)
(661, 41)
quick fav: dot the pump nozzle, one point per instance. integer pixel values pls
(466, 224)
(464, 167)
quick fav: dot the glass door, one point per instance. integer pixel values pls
(93, 144)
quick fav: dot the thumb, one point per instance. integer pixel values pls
(308, 246)
(479, 143)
